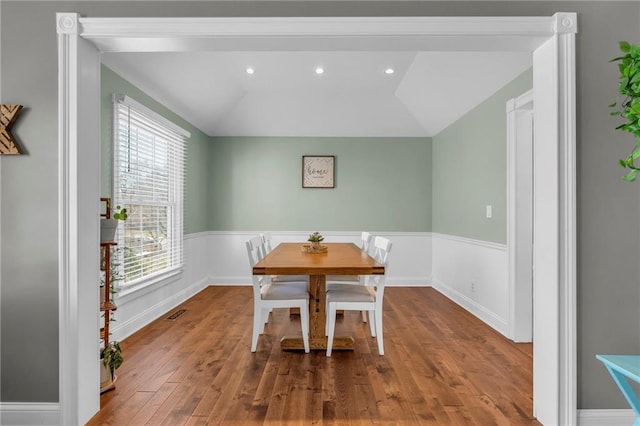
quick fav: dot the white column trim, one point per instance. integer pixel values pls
(67, 29)
(522, 102)
(567, 217)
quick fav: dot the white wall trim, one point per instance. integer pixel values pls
(69, 395)
(520, 217)
(124, 34)
(620, 417)
(410, 259)
(567, 27)
(465, 240)
(29, 413)
(485, 315)
(136, 34)
(126, 328)
(473, 274)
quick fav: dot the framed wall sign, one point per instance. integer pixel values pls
(318, 171)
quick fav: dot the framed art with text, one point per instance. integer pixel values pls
(318, 171)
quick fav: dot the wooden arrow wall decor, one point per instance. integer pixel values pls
(8, 115)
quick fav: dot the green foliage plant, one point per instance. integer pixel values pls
(111, 356)
(628, 105)
(316, 237)
(120, 213)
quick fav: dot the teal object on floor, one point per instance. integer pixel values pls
(622, 368)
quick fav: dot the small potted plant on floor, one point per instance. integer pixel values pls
(108, 226)
(110, 359)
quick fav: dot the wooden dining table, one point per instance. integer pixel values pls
(340, 259)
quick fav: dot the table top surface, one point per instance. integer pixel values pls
(629, 365)
(340, 259)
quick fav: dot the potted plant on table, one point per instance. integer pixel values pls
(315, 239)
(108, 226)
(628, 106)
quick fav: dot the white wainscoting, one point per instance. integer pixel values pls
(409, 261)
(138, 308)
(473, 274)
(221, 258)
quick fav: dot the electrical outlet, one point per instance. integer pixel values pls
(473, 286)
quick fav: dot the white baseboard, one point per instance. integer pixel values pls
(484, 314)
(621, 417)
(473, 274)
(136, 322)
(26, 413)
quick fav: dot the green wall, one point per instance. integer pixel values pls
(470, 169)
(196, 176)
(240, 184)
(382, 184)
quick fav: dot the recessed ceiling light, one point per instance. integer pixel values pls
(250, 70)
(389, 71)
(319, 70)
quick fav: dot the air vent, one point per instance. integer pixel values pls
(174, 316)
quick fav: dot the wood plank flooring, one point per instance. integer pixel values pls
(442, 366)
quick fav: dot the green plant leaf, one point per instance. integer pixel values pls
(624, 46)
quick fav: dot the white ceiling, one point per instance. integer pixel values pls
(354, 97)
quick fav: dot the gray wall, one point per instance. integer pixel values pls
(196, 164)
(470, 169)
(608, 210)
(381, 183)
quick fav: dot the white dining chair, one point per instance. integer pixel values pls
(277, 279)
(332, 280)
(361, 298)
(267, 296)
(335, 281)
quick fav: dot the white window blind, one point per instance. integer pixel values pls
(148, 181)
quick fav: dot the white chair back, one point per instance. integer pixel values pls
(266, 242)
(255, 250)
(365, 241)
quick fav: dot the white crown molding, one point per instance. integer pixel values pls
(97, 28)
(322, 33)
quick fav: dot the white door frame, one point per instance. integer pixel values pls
(552, 41)
(519, 218)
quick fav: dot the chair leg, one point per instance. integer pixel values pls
(258, 326)
(304, 320)
(364, 316)
(331, 328)
(372, 323)
(378, 317)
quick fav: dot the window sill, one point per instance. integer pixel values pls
(148, 285)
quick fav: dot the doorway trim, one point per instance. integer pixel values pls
(519, 234)
(551, 39)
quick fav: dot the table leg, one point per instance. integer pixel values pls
(626, 389)
(317, 318)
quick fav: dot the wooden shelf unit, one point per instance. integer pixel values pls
(105, 265)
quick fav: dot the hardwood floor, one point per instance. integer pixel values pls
(442, 366)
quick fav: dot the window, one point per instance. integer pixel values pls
(148, 182)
